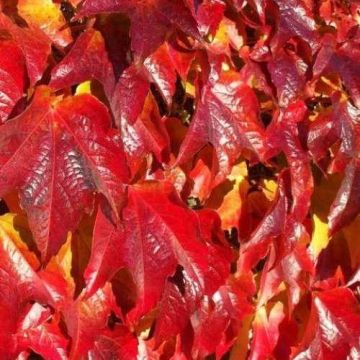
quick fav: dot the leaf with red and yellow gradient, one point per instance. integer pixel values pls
(46, 15)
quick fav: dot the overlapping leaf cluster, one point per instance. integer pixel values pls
(180, 179)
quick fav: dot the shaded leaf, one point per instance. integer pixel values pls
(151, 21)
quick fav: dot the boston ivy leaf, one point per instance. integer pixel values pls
(115, 344)
(134, 85)
(322, 134)
(152, 248)
(217, 322)
(266, 331)
(343, 60)
(288, 75)
(86, 60)
(19, 285)
(174, 313)
(283, 133)
(34, 45)
(151, 21)
(270, 227)
(86, 320)
(227, 117)
(181, 300)
(12, 77)
(38, 333)
(147, 135)
(209, 15)
(295, 20)
(291, 270)
(129, 95)
(346, 205)
(72, 155)
(160, 70)
(341, 125)
(333, 328)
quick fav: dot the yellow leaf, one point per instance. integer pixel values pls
(324, 194)
(16, 227)
(48, 17)
(59, 267)
(230, 208)
(240, 349)
(269, 189)
(320, 238)
(83, 88)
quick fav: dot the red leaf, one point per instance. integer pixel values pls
(86, 60)
(129, 95)
(12, 77)
(19, 285)
(295, 20)
(134, 85)
(115, 344)
(271, 226)
(174, 313)
(283, 134)
(217, 322)
(333, 330)
(322, 134)
(160, 69)
(147, 135)
(288, 75)
(71, 155)
(181, 299)
(344, 61)
(154, 247)
(209, 15)
(34, 45)
(341, 124)
(41, 336)
(86, 320)
(346, 205)
(292, 270)
(227, 117)
(151, 21)
(266, 331)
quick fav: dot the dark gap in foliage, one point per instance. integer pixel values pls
(113, 320)
(34, 356)
(3, 207)
(178, 279)
(67, 10)
(159, 99)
